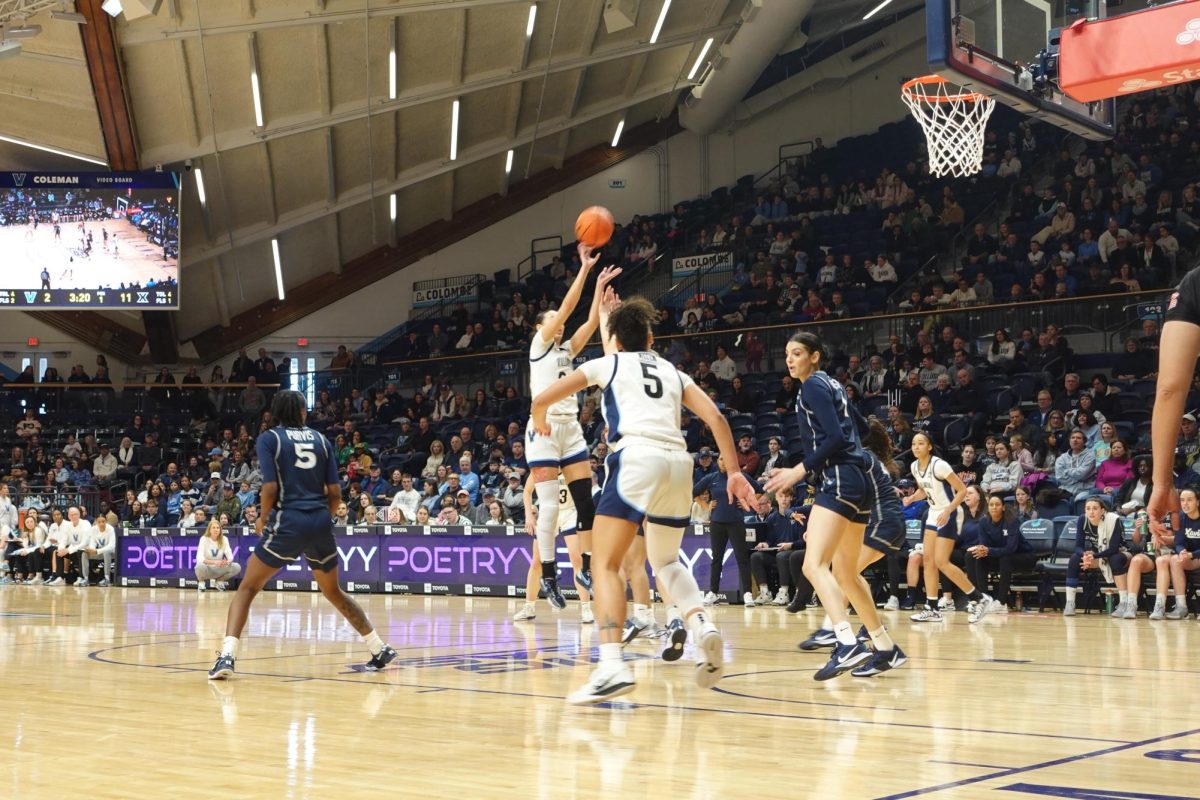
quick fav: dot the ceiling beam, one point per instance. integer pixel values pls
(108, 86)
(637, 66)
(324, 76)
(262, 320)
(330, 168)
(268, 176)
(360, 194)
(317, 120)
(448, 194)
(560, 148)
(190, 120)
(458, 46)
(577, 92)
(591, 33)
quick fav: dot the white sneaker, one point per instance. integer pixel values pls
(200, 587)
(608, 680)
(1178, 611)
(781, 597)
(1159, 612)
(711, 664)
(764, 596)
(526, 612)
(81, 583)
(927, 614)
(1119, 611)
(1069, 610)
(103, 582)
(1131, 610)
(748, 600)
(585, 613)
(978, 610)
(221, 585)
(998, 607)
(37, 581)
(56, 582)
(892, 604)
(710, 599)
(946, 604)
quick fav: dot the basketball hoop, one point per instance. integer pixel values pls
(954, 122)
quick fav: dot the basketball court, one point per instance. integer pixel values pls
(476, 709)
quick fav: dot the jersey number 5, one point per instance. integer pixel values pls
(653, 384)
(305, 457)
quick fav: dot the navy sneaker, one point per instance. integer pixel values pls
(632, 629)
(863, 635)
(584, 578)
(845, 657)
(880, 662)
(906, 604)
(222, 669)
(676, 637)
(553, 593)
(821, 637)
(381, 659)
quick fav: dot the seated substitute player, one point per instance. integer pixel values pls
(562, 446)
(299, 471)
(649, 480)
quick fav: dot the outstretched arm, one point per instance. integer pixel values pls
(587, 260)
(581, 337)
(607, 305)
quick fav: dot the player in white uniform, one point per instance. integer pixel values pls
(563, 448)
(649, 481)
(567, 527)
(938, 483)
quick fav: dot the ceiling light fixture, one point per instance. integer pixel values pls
(255, 91)
(69, 16)
(112, 7)
(700, 59)
(662, 17)
(392, 206)
(200, 187)
(532, 19)
(508, 161)
(454, 131)
(392, 62)
(278, 269)
(617, 136)
(876, 9)
(43, 147)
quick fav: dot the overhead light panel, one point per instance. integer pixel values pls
(69, 16)
(662, 17)
(700, 59)
(617, 134)
(112, 7)
(255, 90)
(5, 46)
(454, 131)
(392, 206)
(508, 159)
(19, 32)
(278, 269)
(532, 19)
(876, 9)
(200, 186)
(7, 50)
(392, 62)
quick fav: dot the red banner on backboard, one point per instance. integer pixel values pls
(1131, 53)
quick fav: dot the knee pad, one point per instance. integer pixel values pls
(585, 507)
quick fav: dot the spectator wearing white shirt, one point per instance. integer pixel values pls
(964, 294)
(101, 546)
(407, 499)
(882, 270)
(723, 366)
(214, 559)
(1010, 166)
(73, 536)
(187, 514)
(104, 466)
(33, 549)
(1108, 240)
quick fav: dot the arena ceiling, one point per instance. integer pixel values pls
(336, 130)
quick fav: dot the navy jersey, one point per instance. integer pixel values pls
(302, 462)
(828, 426)
(1188, 535)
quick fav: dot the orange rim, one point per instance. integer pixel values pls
(909, 89)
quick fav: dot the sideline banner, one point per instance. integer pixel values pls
(397, 559)
(690, 265)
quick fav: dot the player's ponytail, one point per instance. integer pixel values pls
(876, 440)
(287, 409)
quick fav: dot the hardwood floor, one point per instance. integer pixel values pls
(107, 697)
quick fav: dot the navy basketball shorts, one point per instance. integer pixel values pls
(296, 534)
(846, 490)
(950, 529)
(1184, 303)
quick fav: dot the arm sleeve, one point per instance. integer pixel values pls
(266, 447)
(1079, 540)
(819, 398)
(1180, 540)
(600, 371)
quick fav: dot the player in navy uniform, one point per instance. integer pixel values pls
(1181, 338)
(835, 462)
(300, 474)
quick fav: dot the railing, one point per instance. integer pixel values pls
(537, 247)
(799, 149)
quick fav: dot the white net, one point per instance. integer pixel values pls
(954, 122)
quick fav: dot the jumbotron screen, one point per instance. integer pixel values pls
(89, 240)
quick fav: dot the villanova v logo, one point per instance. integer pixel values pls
(18, 179)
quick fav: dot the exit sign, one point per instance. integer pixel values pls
(616, 183)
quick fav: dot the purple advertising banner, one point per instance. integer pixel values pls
(394, 559)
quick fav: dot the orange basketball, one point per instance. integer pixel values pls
(594, 226)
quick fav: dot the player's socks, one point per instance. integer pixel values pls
(610, 651)
(826, 623)
(881, 640)
(931, 603)
(549, 571)
(374, 643)
(229, 647)
(587, 562)
(844, 634)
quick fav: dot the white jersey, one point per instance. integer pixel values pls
(643, 395)
(547, 363)
(934, 482)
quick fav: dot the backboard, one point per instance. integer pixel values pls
(1003, 48)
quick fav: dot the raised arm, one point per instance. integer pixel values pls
(608, 304)
(581, 337)
(587, 260)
